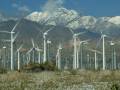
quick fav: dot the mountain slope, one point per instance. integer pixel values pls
(108, 25)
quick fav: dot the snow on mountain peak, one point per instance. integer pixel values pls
(37, 16)
(61, 16)
(115, 20)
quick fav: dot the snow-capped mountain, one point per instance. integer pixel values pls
(62, 16)
(115, 20)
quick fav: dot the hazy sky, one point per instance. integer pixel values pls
(86, 7)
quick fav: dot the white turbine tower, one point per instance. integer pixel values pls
(88, 60)
(45, 45)
(12, 41)
(18, 52)
(75, 36)
(58, 57)
(113, 55)
(39, 54)
(33, 49)
(80, 43)
(4, 60)
(95, 57)
(48, 44)
(104, 61)
(103, 50)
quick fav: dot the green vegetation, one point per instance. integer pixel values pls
(3, 70)
(115, 87)
(35, 67)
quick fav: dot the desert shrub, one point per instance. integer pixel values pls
(3, 70)
(73, 72)
(47, 66)
(115, 87)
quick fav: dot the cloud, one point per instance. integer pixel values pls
(24, 9)
(52, 5)
(14, 5)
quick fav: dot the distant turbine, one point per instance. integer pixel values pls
(95, 57)
(81, 42)
(48, 42)
(113, 55)
(75, 51)
(39, 54)
(12, 41)
(18, 51)
(58, 57)
(45, 45)
(33, 49)
(103, 50)
(28, 56)
(75, 35)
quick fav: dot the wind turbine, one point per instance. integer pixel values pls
(113, 55)
(58, 57)
(18, 52)
(12, 41)
(103, 50)
(75, 36)
(39, 54)
(33, 49)
(4, 60)
(28, 56)
(88, 60)
(45, 45)
(95, 57)
(48, 42)
(80, 43)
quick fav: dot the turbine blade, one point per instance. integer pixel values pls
(15, 36)
(71, 31)
(49, 30)
(33, 43)
(29, 51)
(80, 33)
(6, 40)
(98, 43)
(15, 26)
(5, 32)
(20, 47)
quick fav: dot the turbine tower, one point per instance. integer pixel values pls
(39, 54)
(81, 42)
(75, 36)
(104, 61)
(103, 50)
(95, 57)
(58, 57)
(45, 45)
(33, 49)
(18, 51)
(12, 41)
(113, 55)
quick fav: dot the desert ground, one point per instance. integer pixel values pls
(61, 80)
